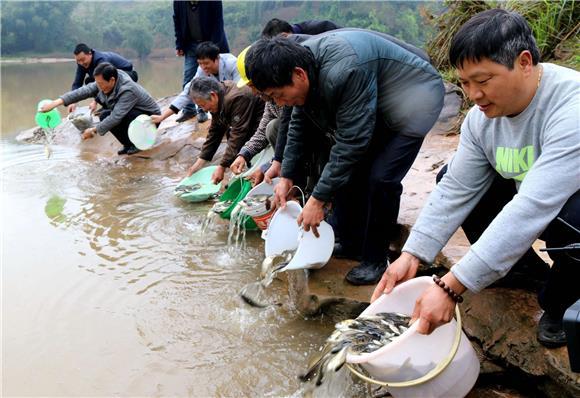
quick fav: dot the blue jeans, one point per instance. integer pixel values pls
(189, 68)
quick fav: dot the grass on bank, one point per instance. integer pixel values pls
(555, 23)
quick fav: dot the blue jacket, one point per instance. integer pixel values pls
(359, 78)
(212, 25)
(98, 57)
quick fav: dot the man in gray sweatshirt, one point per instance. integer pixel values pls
(121, 98)
(516, 171)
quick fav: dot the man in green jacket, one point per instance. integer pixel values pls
(377, 101)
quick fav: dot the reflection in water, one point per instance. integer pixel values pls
(54, 208)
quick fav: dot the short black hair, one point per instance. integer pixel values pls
(106, 70)
(276, 26)
(271, 62)
(207, 49)
(82, 48)
(496, 34)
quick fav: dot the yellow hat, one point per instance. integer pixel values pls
(242, 67)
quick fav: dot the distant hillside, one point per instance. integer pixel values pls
(135, 28)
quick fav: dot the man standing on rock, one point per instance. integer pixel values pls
(121, 98)
(88, 59)
(514, 178)
(194, 23)
(376, 101)
(212, 64)
(235, 112)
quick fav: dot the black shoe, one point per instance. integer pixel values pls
(128, 150)
(202, 116)
(185, 116)
(551, 332)
(367, 272)
(341, 252)
(132, 150)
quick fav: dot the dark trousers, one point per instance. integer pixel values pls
(121, 131)
(562, 288)
(366, 209)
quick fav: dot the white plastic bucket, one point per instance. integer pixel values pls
(262, 157)
(142, 132)
(285, 235)
(442, 364)
(261, 214)
(283, 232)
(313, 252)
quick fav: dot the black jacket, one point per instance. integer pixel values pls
(314, 27)
(212, 25)
(98, 57)
(360, 78)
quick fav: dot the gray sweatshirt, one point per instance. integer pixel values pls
(126, 95)
(539, 149)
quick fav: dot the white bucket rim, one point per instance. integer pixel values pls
(328, 232)
(371, 310)
(366, 357)
(291, 207)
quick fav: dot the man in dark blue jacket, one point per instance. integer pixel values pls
(196, 22)
(377, 101)
(87, 60)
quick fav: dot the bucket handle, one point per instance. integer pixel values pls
(441, 366)
(302, 192)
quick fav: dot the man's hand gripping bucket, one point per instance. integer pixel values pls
(442, 364)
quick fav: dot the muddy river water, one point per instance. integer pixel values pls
(109, 288)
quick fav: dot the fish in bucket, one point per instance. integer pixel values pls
(259, 203)
(381, 348)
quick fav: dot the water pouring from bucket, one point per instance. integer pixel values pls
(288, 247)
(48, 121)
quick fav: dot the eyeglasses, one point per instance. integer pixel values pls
(265, 97)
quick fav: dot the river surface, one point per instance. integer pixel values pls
(109, 287)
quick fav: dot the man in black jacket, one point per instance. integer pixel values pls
(275, 27)
(377, 100)
(196, 22)
(88, 59)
